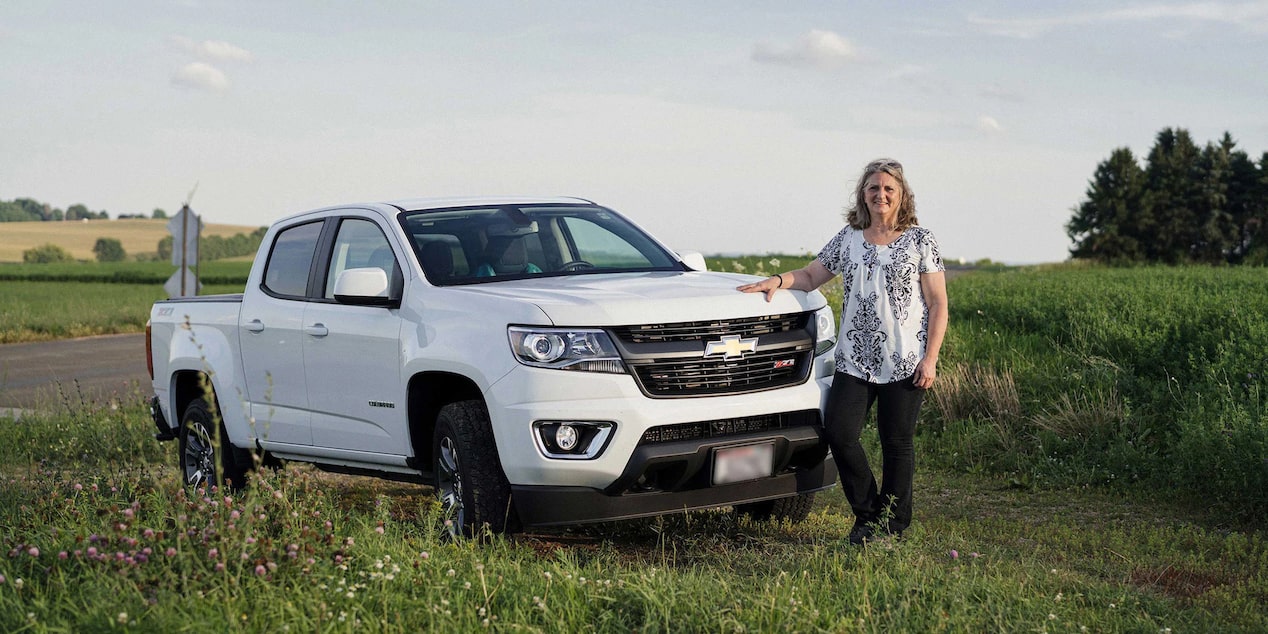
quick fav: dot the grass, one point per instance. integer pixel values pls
(137, 235)
(42, 311)
(97, 535)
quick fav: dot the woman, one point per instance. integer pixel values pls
(893, 319)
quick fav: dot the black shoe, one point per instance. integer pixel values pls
(861, 533)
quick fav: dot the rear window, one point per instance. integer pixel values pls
(291, 260)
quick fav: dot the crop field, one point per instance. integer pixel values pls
(1091, 459)
(138, 235)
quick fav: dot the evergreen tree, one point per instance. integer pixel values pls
(1109, 226)
(1174, 184)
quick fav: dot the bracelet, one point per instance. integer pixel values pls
(781, 280)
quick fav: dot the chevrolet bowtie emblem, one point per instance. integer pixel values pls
(730, 346)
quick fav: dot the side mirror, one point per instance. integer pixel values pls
(693, 260)
(364, 287)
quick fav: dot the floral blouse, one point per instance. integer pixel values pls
(884, 319)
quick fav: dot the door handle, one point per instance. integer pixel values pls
(255, 325)
(316, 330)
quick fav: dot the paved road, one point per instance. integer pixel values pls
(94, 369)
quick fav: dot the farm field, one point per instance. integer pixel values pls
(138, 235)
(1092, 457)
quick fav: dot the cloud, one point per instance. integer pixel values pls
(815, 49)
(214, 50)
(1252, 16)
(201, 76)
(995, 91)
(989, 125)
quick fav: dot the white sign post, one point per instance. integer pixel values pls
(185, 227)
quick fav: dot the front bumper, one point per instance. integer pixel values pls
(675, 476)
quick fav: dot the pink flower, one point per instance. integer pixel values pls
(148, 533)
(170, 552)
(235, 515)
(79, 487)
(33, 551)
(220, 567)
(63, 555)
(213, 553)
(975, 555)
(378, 529)
(954, 554)
(92, 551)
(260, 570)
(425, 555)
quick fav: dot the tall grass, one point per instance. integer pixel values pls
(1152, 375)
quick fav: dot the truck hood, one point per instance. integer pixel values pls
(619, 299)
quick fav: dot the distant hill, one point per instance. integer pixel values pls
(78, 236)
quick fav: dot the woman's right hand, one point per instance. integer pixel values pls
(768, 286)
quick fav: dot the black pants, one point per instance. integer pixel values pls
(897, 407)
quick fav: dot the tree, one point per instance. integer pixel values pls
(46, 254)
(1173, 181)
(1110, 225)
(78, 212)
(109, 250)
(159, 214)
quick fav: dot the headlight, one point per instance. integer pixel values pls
(565, 349)
(825, 330)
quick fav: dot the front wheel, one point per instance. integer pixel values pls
(793, 508)
(470, 484)
(207, 458)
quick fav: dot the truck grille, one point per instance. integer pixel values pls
(698, 377)
(702, 330)
(669, 360)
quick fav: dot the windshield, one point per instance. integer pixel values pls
(482, 244)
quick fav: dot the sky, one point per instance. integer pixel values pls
(721, 127)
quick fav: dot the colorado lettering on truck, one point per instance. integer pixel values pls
(538, 361)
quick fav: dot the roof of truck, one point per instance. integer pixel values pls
(415, 204)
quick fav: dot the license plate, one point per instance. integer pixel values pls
(748, 462)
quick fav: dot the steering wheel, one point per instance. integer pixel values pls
(576, 265)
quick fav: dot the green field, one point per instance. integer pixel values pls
(1093, 456)
(138, 236)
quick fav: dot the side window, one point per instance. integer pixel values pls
(291, 260)
(359, 244)
(601, 247)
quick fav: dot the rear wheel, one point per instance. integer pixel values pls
(207, 458)
(793, 508)
(472, 488)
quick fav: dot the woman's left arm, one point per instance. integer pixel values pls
(933, 286)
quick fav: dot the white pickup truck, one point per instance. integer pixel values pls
(539, 361)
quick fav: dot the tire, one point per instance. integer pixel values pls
(470, 484)
(793, 508)
(206, 456)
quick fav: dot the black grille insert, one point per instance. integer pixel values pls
(704, 330)
(724, 427)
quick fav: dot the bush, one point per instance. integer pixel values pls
(109, 250)
(46, 254)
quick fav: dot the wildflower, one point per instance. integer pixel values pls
(92, 551)
(79, 487)
(424, 555)
(1052, 617)
(17, 583)
(451, 572)
(170, 552)
(213, 553)
(954, 554)
(2, 580)
(260, 570)
(466, 586)
(220, 568)
(975, 555)
(63, 555)
(148, 533)
(33, 551)
(378, 529)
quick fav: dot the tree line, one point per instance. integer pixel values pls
(30, 210)
(1186, 204)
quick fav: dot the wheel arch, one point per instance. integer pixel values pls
(428, 392)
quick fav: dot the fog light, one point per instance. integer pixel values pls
(566, 437)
